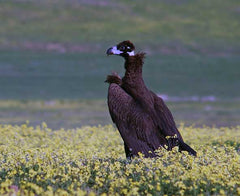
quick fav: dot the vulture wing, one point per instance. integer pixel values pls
(165, 119)
(167, 125)
(136, 127)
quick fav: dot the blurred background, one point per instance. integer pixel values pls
(53, 62)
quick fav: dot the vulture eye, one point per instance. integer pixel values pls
(122, 48)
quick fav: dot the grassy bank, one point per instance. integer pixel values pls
(193, 26)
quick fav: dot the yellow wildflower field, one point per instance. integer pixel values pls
(91, 161)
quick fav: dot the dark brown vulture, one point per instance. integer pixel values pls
(142, 118)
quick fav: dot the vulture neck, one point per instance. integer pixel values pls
(133, 67)
(133, 82)
(134, 85)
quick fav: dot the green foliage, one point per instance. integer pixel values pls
(91, 160)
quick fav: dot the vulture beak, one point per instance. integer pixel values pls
(110, 51)
(113, 50)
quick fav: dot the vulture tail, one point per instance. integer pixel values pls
(184, 147)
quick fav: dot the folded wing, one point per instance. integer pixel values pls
(136, 127)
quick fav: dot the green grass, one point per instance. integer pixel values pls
(210, 26)
(55, 50)
(72, 114)
(31, 75)
(73, 78)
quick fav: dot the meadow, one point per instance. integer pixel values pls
(177, 26)
(57, 137)
(68, 90)
(91, 161)
(54, 51)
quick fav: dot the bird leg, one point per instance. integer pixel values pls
(172, 141)
(128, 152)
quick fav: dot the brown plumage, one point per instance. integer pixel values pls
(142, 118)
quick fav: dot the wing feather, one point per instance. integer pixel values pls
(165, 118)
(135, 126)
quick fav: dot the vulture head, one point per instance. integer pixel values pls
(124, 49)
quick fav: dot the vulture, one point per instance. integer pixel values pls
(144, 121)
